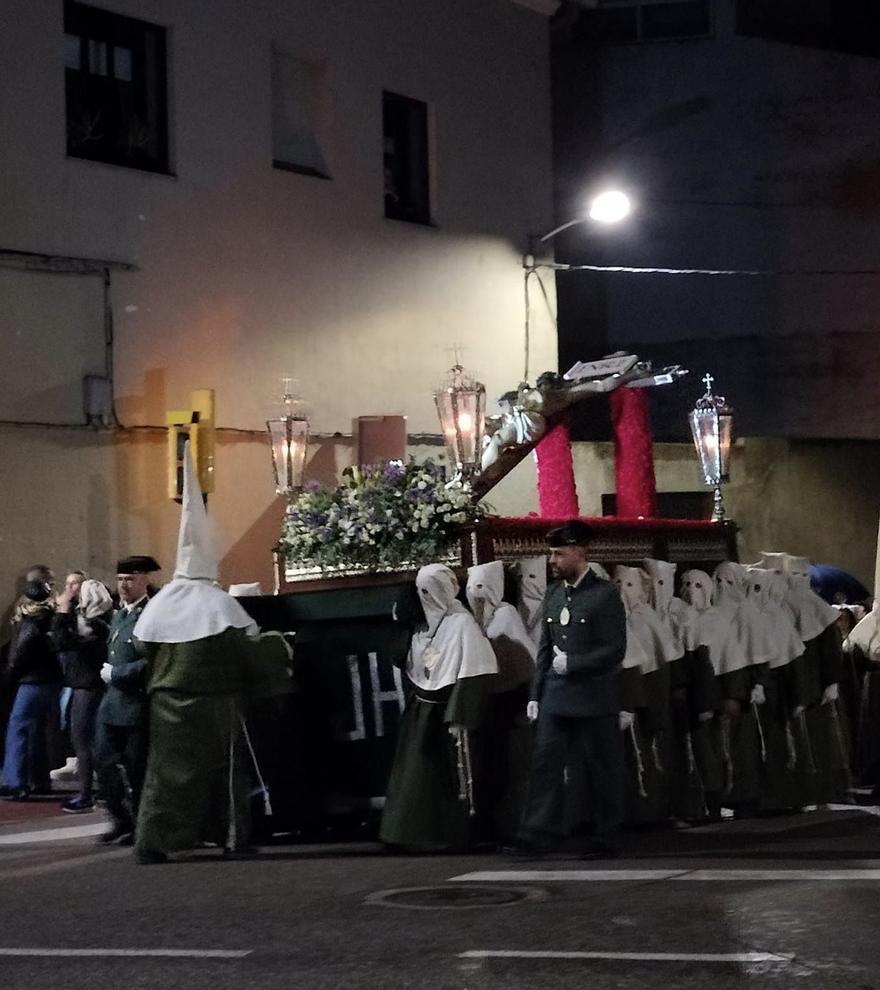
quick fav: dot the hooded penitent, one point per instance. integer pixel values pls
(866, 633)
(811, 614)
(714, 626)
(532, 574)
(500, 621)
(649, 643)
(451, 646)
(671, 611)
(192, 606)
(767, 591)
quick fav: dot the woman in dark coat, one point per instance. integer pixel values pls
(80, 634)
(33, 666)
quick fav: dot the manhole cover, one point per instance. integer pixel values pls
(453, 897)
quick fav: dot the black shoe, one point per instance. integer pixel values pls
(523, 849)
(16, 793)
(150, 857)
(240, 852)
(598, 851)
(121, 833)
(77, 806)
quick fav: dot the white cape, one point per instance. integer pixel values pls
(186, 610)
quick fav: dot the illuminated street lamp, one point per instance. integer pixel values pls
(289, 438)
(607, 207)
(711, 422)
(461, 406)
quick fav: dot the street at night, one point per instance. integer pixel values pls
(782, 902)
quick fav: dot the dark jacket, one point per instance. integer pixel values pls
(124, 701)
(32, 655)
(81, 656)
(594, 640)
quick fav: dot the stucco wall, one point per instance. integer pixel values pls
(246, 273)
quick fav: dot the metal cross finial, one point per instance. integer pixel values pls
(708, 381)
(456, 352)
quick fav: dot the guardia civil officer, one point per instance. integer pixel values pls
(121, 725)
(574, 698)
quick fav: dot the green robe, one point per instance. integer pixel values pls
(196, 787)
(426, 801)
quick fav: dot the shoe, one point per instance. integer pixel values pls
(120, 832)
(523, 849)
(70, 770)
(596, 852)
(77, 806)
(16, 793)
(149, 857)
(241, 852)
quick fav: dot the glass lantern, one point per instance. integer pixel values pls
(711, 422)
(289, 438)
(461, 406)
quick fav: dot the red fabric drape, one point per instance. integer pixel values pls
(633, 454)
(557, 492)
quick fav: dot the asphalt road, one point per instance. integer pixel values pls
(782, 903)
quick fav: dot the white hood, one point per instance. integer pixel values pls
(649, 642)
(452, 646)
(532, 574)
(812, 614)
(191, 606)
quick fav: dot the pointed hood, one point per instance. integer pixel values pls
(196, 553)
(192, 607)
(812, 615)
(485, 590)
(866, 634)
(532, 574)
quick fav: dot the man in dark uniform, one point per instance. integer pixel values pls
(574, 697)
(121, 728)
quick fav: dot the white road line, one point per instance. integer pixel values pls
(722, 957)
(569, 876)
(52, 834)
(630, 876)
(162, 953)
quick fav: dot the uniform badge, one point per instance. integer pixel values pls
(564, 616)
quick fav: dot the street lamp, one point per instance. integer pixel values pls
(711, 422)
(607, 207)
(289, 438)
(461, 406)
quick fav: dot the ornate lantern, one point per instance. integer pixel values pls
(711, 422)
(289, 437)
(461, 406)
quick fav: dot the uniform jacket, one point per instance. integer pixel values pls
(594, 639)
(124, 701)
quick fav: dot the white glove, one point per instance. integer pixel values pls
(457, 730)
(532, 711)
(758, 697)
(560, 660)
(107, 673)
(625, 720)
(797, 711)
(705, 716)
(830, 694)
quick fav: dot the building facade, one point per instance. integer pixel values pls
(339, 192)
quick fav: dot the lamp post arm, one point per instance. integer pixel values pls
(558, 230)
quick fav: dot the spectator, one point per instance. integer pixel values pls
(33, 665)
(80, 630)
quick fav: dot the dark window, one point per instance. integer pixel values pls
(850, 26)
(405, 145)
(300, 115)
(115, 87)
(674, 20)
(619, 21)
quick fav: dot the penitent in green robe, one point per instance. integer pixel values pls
(426, 801)
(196, 786)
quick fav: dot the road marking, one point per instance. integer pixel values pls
(53, 834)
(161, 953)
(630, 876)
(721, 957)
